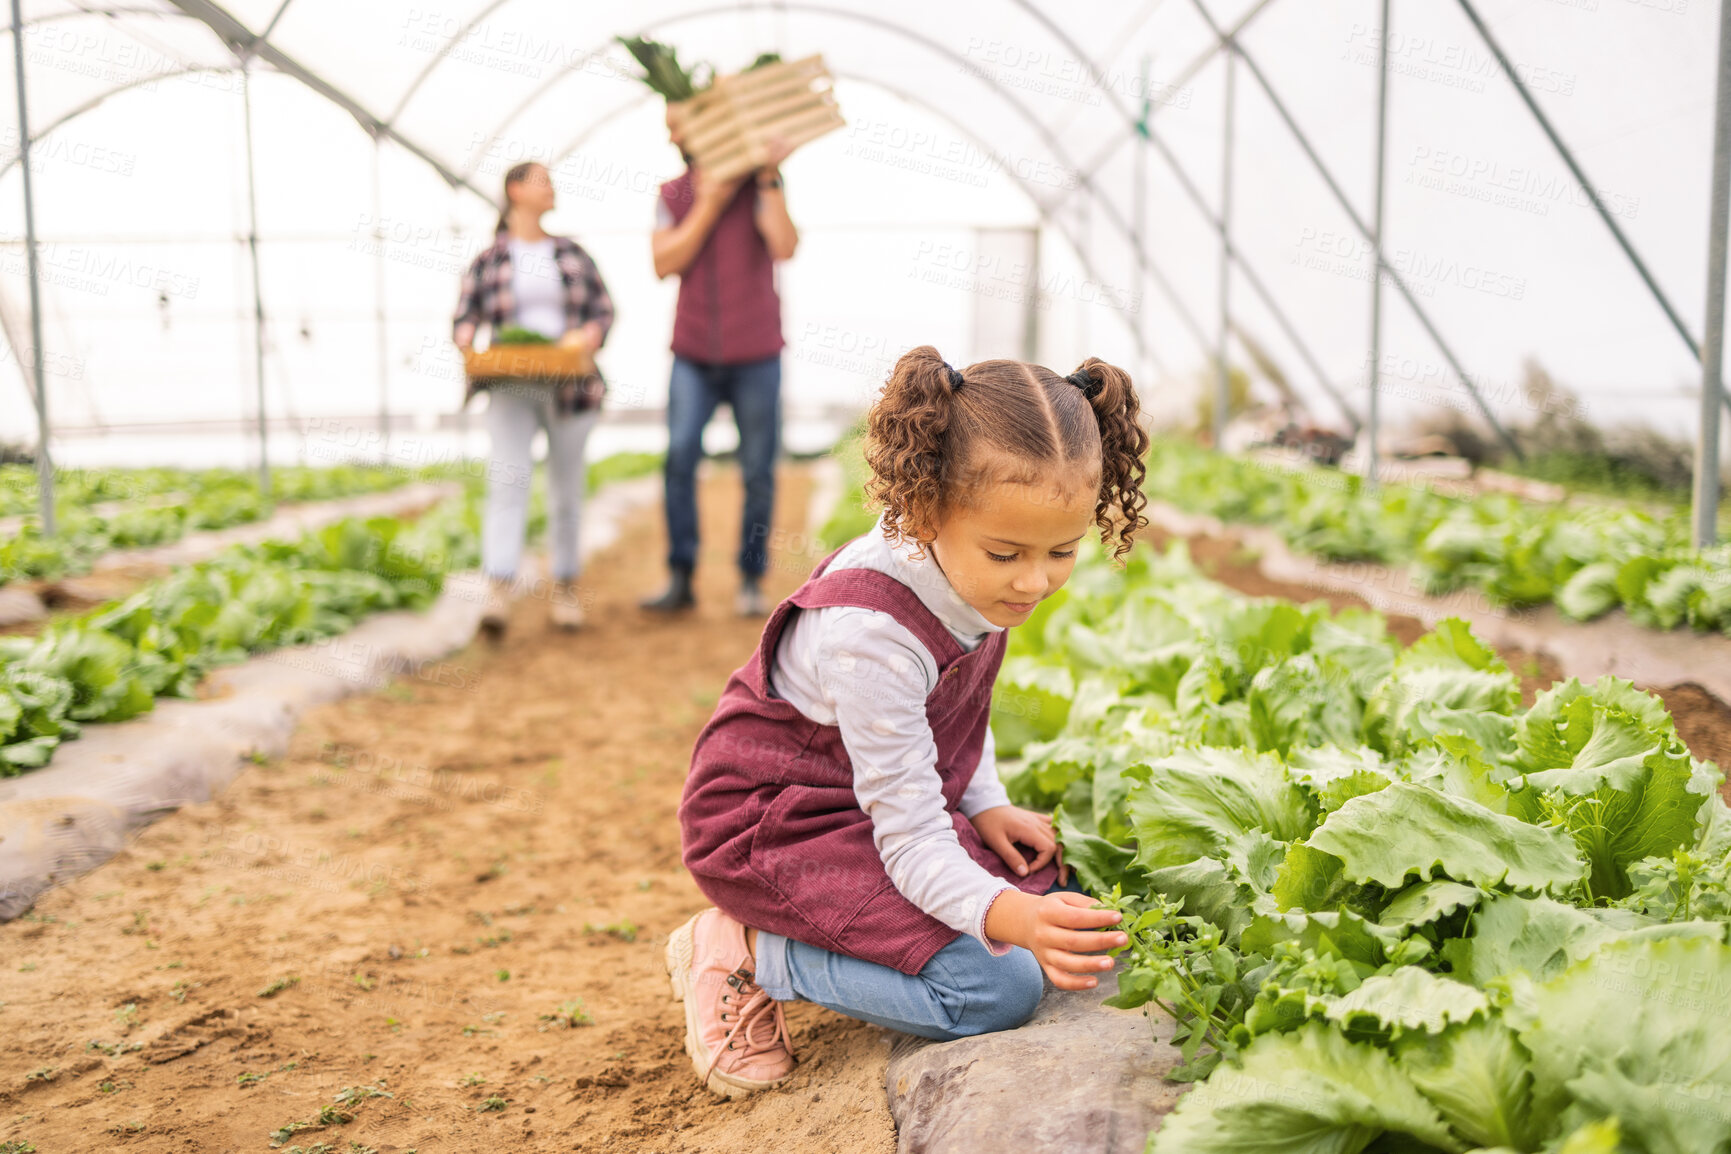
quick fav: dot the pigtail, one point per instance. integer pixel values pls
(905, 441)
(1123, 445)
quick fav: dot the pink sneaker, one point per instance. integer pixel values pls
(735, 1033)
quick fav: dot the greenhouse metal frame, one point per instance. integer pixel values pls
(249, 48)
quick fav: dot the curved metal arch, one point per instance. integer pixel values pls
(1144, 266)
(1046, 216)
(101, 98)
(1233, 253)
(439, 58)
(109, 13)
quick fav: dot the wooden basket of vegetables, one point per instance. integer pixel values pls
(523, 354)
(727, 124)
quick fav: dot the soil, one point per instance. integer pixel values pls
(1704, 724)
(409, 899)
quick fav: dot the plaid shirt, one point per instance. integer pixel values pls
(486, 298)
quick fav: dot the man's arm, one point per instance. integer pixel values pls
(675, 248)
(773, 223)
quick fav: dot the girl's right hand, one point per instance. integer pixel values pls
(1061, 930)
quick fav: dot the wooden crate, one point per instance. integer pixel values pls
(728, 126)
(529, 362)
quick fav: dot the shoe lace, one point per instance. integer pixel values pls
(758, 1028)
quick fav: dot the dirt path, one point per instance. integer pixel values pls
(429, 878)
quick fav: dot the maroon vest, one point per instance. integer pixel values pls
(772, 830)
(728, 311)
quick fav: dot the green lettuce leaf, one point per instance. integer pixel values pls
(1336, 933)
(1307, 1092)
(1031, 702)
(1335, 776)
(1479, 1076)
(1532, 935)
(1664, 1070)
(1590, 593)
(1421, 904)
(1409, 998)
(1099, 865)
(1211, 890)
(1186, 805)
(1407, 830)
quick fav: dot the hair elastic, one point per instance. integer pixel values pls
(1085, 380)
(955, 376)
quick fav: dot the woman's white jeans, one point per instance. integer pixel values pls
(514, 412)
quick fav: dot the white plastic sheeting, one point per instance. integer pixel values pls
(966, 119)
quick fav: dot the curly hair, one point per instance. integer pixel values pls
(925, 438)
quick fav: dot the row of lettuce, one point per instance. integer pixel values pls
(1388, 908)
(101, 510)
(1586, 559)
(111, 663)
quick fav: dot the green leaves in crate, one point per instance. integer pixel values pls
(662, 71)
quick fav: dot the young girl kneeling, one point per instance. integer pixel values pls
(844, 811)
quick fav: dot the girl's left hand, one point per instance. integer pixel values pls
(1003, 826)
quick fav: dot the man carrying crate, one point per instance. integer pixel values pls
(722, 239)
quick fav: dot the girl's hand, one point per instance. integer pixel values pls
(1062, 932)
(1002, 826)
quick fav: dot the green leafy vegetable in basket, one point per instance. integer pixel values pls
(518, 335)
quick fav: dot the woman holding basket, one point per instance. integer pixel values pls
(548, 285)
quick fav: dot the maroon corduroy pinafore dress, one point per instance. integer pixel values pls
(772, 830)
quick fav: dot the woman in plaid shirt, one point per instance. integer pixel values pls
(549, 285)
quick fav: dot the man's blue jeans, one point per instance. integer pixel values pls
(753, 391)
(964, 990)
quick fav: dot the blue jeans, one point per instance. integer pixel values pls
(962, 991)
(753, 391)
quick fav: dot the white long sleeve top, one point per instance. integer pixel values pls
(862, 671)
